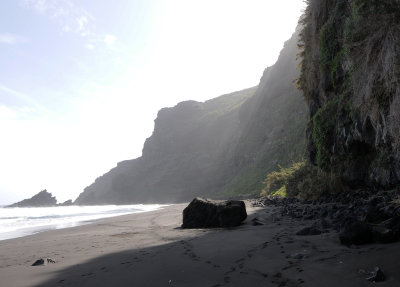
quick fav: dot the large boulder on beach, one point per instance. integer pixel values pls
(206, 213)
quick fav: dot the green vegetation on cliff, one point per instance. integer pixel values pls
(350, 77)
(301, 180)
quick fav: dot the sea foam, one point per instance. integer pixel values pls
(18, 222)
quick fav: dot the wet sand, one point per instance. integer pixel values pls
(150, 249)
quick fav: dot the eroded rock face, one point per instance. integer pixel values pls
(205, 213)
(351, 80)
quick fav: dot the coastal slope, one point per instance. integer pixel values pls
(221, 148)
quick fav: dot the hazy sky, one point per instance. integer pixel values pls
(81, 81)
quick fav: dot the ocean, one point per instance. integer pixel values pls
(19, 222)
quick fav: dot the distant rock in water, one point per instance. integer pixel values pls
(41, 199)
(66, 203)
(205, 213)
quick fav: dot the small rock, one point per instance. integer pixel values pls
(383, 235)
(376, 275)
(373, 215)
(393, 223)
(322, 224)
(308, 217)
(43, 261)
(355, 232)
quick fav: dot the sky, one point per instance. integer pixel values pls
(81, 81)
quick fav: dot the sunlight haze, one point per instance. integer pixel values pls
(81, 82)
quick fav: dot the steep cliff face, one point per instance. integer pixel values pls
(350, 79)
(220, 148)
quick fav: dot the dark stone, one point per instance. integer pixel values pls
(355, 232)
(394, 224)
(376, 275)
(323, 213)
(388, 210)
(309, 231)
(372, 214)
(322, 224)
(383, 235)
(308, 217)
(43, 261)
(204, 213)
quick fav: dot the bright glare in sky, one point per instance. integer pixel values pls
(81, 81)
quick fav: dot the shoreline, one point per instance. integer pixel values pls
(150, 249)
(27, 221)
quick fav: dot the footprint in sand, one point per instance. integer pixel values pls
(265, 275)
(301, 281)
(239, 260)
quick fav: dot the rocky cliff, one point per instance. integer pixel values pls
(220, 148)
(351, 81)
(41, 199)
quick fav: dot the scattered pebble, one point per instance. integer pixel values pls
(43, 261)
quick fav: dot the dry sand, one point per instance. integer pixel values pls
(149, 249)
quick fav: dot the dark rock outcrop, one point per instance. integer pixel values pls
(347, 214)
(351, 81)
(42, 199)
(205, 213)
(222, 148)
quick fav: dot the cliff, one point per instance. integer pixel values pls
(41, 199)
(350, 79)
(220, 148)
